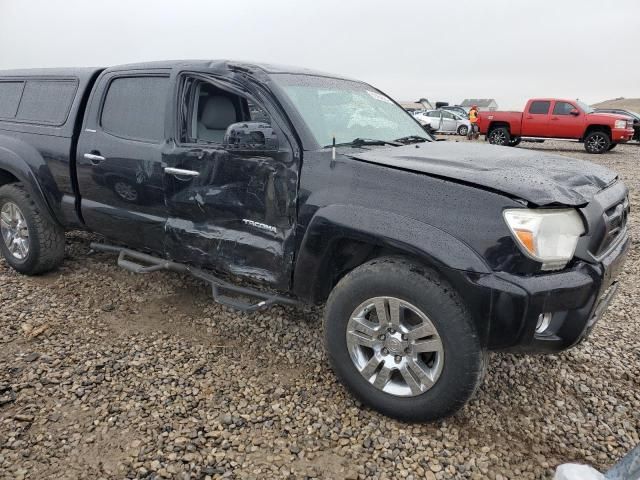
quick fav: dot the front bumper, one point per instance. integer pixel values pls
(621, 135)
(508, 306)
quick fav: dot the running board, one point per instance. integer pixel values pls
(138, 262)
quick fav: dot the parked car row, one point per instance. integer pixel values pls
(599, 129)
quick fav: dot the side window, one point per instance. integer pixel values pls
(448, 115)
(47, 101)
(207, 111)
(434, 114)
(37, 101)
(563, 108)
(10, 93)
(539, 107)
(134, 108)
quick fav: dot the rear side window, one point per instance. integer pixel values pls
(47, 101)
(39, 101)
(539, 107)
(10, 93)
(134, 108)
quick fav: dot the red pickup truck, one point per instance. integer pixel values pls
(557, 118)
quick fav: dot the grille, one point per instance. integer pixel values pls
(615, 222)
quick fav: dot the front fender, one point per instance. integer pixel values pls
(27, 165)
(332, 224)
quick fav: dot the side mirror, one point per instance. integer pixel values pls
(250, 137)
(574, 112)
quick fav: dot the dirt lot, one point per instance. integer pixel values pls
(108, 374)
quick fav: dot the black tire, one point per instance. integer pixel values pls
(463, 130)
(45, 237)
(464, 358)
(612, 146)
(515, 141)
(597, 142)
(499, 136)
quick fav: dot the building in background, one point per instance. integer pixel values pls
(483, 104)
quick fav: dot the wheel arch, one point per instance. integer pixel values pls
(498, 124)
(340, 238)
(19, 162)
(597, 128)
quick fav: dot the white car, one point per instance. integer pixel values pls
(443, 121)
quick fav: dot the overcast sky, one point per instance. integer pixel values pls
(443, 50)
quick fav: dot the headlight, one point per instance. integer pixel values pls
(621, 124)
(548, 236)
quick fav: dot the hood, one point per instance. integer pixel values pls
(606, 116)
(534, 176)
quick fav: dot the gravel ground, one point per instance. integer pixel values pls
(105, 374)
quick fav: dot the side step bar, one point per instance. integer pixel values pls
(138, 262)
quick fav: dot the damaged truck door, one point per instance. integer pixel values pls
(230, 182)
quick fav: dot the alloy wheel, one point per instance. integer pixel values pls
(395, 346)
(596, 143)
(14, 230)
(498, 137)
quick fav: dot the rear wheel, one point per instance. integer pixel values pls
(597, 142)
(499, 136)
(515, 141)
(402, 342)
(463, 130)
(32, 242)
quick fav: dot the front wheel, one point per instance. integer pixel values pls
(597, 142)
(499, 136)
(612, 146)
(32, 242)
(463, 130)
(401, 340)
(515, 141)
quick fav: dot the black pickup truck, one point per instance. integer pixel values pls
(285, 186)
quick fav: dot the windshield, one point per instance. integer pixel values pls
(585, 108)
(347, 110)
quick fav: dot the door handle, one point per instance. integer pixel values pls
(94, 158)
(180, 172)
(554, 118)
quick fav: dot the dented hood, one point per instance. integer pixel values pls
(534, 176)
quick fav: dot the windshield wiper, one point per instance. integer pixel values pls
(411, 139)
(358, 142)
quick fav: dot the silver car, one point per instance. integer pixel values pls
(443, 121)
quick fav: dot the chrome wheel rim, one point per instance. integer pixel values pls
(395, 346)
(499, 137)
(464, 131)
(14, 230)
(126, 191)
(596, 143)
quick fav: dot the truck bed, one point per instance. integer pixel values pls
(512, 118)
